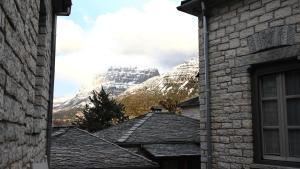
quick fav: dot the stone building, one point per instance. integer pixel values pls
(190, 108)
(249, 82)
(169, 139)
(27, 54)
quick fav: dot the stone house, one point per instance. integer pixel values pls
(170, 140)
(249, 54)
(27, 54)
(190, 108)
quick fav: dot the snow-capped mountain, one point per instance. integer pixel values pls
(181, 77)
(60, 100)
(171, 88)
(116, 80)
(133, 87)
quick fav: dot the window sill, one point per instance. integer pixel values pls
(263, 166)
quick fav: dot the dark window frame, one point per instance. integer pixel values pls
(257, 71)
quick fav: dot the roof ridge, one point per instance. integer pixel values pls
(188, 100)
(134, 127)
(179, 115)
(115, 126)
(151, 162)
(197, 120)
(193, 97)
(60, 133)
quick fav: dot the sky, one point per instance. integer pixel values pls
(125, 33)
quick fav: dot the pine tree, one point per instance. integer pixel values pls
(100, 113)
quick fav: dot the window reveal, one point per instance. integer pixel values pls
(279, 101)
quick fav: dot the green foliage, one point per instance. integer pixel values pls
(102, 112)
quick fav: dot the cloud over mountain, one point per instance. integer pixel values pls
(145, 37)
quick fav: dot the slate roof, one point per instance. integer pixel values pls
(193, 7)
(172, 150)
(190, 102)
(78, 149)
(153, 128)
(112, 134)
(214, 2)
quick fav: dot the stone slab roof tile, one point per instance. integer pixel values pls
(190, 102)
(116, 132)
(78, 149)
(172, 150)
(158, 128)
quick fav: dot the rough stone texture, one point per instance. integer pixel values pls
(172, 150)
(78, 149)
(159, 127)
(22, 118)
(273, 37)
(158, 134)
(258, 31)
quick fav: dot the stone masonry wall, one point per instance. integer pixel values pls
(25, 50)
(239, 33)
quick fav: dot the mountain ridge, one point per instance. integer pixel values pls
(139, 94)
(174, 86)
(115, 81)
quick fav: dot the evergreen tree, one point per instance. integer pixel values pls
(100, 113)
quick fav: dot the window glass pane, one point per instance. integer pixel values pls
(271, 142)
(270, 114)
(294, 143)
(269, 86)
(292, 82)
(293, 112)
(193, 163)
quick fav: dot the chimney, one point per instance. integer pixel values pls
(156, 109)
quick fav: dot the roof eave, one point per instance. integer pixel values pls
(192, 7)
(62, 7)
(185, 106)
(176, 156)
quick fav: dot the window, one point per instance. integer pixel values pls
(277, 113)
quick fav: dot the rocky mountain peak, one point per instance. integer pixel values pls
(115, 81)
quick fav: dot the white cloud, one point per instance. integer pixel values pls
(70, 37)
(157, 35)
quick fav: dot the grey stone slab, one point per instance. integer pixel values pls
(76, 148)
(172, 150)
(160, 127)
(272, 37)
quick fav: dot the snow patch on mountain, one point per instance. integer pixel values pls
(115, 81)
(180, 76)
(121, 82)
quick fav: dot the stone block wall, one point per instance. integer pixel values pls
(25, 54)
(241, 33)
